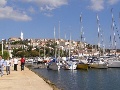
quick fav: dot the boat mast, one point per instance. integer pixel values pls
(113, 29)
(81, 32)
(103, 45)
(81, 28)
(70, 46)
(59, 40)
(98, 27)
(119, 27)
(44, 49)
(119, 22)
(55, 42)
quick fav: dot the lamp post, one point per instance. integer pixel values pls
(2, 47)
(39, 51)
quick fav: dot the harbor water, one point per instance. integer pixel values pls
(91, 79)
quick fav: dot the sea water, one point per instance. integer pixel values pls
(91, 79)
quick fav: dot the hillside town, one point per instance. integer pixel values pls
(17, 46)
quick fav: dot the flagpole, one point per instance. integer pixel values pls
(98, 25)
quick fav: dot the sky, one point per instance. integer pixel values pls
(37, 19)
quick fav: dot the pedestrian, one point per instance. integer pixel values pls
(1, 65)
(12, 62)
(8, 64)
(22, 63)
(15, 60)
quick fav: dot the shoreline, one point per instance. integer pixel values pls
(45, 79)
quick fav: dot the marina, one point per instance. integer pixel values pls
(63, 44)
(91, 79)
(80, 79)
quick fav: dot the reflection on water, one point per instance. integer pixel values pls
(93, 79)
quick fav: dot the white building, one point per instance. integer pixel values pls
(21, 36)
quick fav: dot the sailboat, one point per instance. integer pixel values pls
(54, 64)
(81, 64)
(113, 61)
(97, 62)
(70, 64)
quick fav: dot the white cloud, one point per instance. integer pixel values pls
(111, 2)
(48, 14)
(97, 5)
(7, 12)
(31, 9)
(48, 4)
(2, 3)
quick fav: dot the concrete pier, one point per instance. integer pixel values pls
(22, 80)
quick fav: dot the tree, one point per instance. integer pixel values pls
(5, 54)
(20, 54)
(34, 53)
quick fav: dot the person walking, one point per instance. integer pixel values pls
(12, 61)
(15, 63)
(8, 64)
(22, 63)
(1, 65)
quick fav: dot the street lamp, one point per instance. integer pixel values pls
(39, 51)
(2, 47)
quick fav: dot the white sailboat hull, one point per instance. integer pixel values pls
(99, 66)
(114, 64)
(54, 66)
(70, 65)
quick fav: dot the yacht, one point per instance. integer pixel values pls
(53, 65)
(98, 63)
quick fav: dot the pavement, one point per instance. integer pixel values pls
(22, 80)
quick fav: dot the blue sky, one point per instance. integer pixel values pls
(37, 18)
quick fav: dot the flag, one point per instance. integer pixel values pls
(114, 36)
(98, 31)
(112, 16)
(81, 37)
(65, 36)
(102, 40)
(97, 17)
(98, 25)
(110, 38)
(101, 35)
(111, 9)
(113, 24)
(81, 33)
(81, 17)
(54, 32)
(114, 33)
